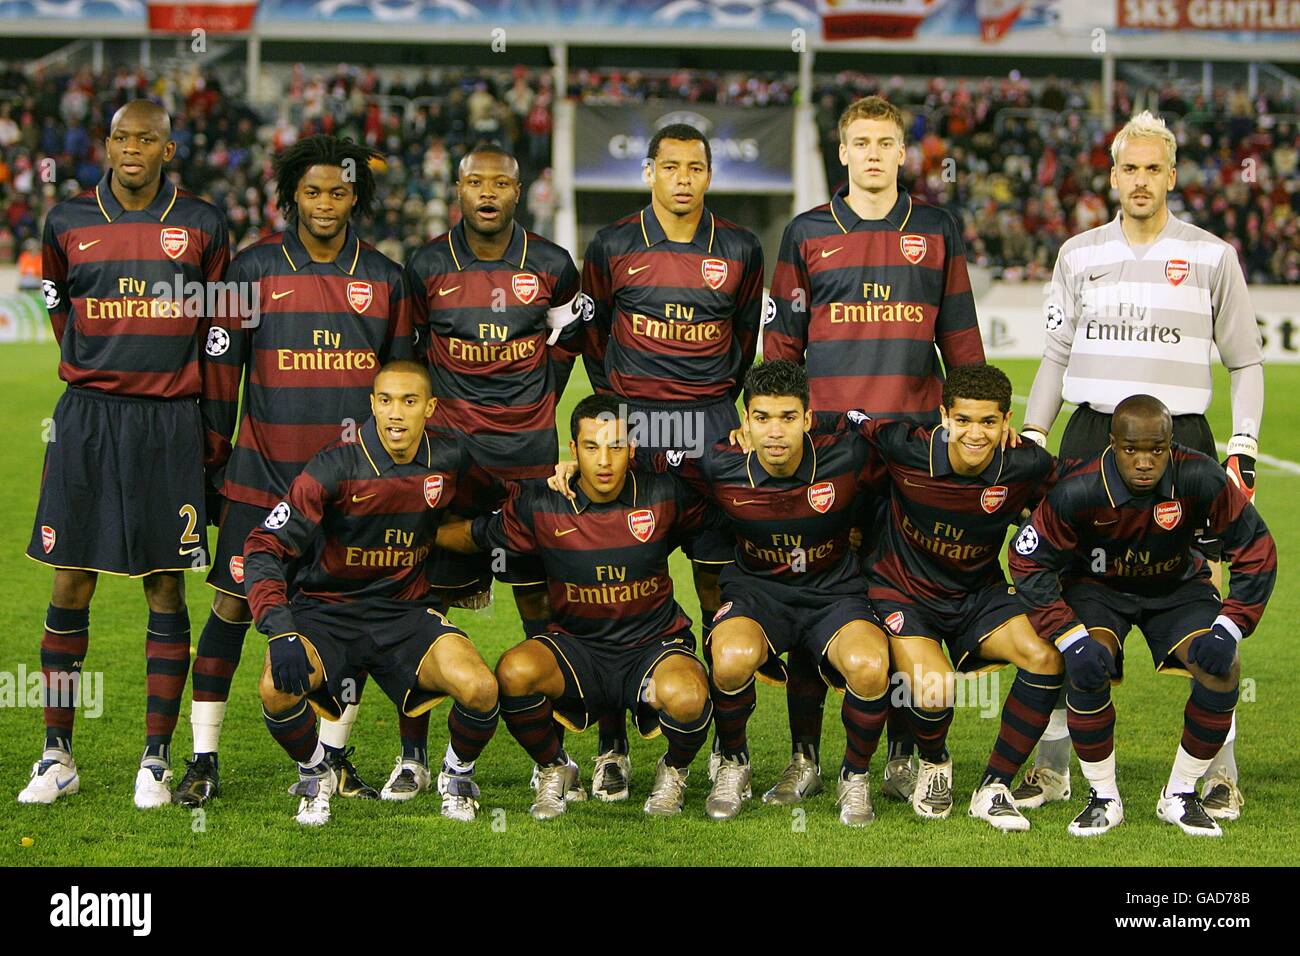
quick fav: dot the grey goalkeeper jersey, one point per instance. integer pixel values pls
(1122, 321)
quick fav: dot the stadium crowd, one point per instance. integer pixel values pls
(1023, 165)
(224, 147)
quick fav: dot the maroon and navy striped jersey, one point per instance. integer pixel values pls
(868, 301)
(1092, 528)
(793, 531)
(128, 290)
(365, 523)
(308, 353)
(673, 321)
(487, 328)
(945, 532)
(606, 562)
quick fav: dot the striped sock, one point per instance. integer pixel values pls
(220, 645)
(167, 658)
(217, 656)
(295, 730)
(1206, 720)
(63, 649)
(1092, 723)
(731, 711)
(685, 740)
(529, 721)
(930, 728)
(1025, 714)
(805, 703)
(470, 731)
(863, 722)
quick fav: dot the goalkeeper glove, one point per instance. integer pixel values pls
(1240, 463)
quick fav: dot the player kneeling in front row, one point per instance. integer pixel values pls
(618, 640)
(1112, 546)
(795, 582)
(934, 577)
(368, 511)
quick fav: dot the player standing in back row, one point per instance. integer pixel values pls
(870, 292)
(323, 311)
(1134, 306)
(495, 309)
(122, 489)
(677, 293)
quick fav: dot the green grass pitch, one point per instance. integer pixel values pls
(252, 823)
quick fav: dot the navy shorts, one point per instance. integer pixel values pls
(793, 620)
(663, 427)
(389, 639)
(961, 625)
(1165, 621)
(602, 678)
(238, 519)
(122, 489)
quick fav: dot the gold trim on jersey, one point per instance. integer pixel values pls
(163, 217)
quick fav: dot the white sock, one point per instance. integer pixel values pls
(1101, 776)
(316, 758)
(1187, 770)
(1226, 758)
(1054, 746)
(454, 764)
(1058, 727)
(335, 733)
(206, 717)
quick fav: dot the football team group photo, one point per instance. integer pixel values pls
(424, 526)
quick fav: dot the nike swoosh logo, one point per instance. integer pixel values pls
(561, 534)
(1094, 278)
(358, 498)
(281, 295)
(448, 291)
(827, 253)
(747, 501)
(913, 484)
(292, 638)
(1102, 524)
(632, 272)
(83, 246)
(70, 779)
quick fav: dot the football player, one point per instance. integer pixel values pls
(122, 487)
(364, 514)
(320, 311)
(1113, 546)
(618, 640)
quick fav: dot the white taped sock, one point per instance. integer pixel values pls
(1101, 776)
(1187, 770)
(316, 758)
(206, 717)
(335, 733)
(455, 764)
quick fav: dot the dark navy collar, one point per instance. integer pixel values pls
(941, 464)
(298, 256)
(158, 208)
(653, 232)
(380, 460)
(848, 220)
(1120, 493)
(463, 255)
